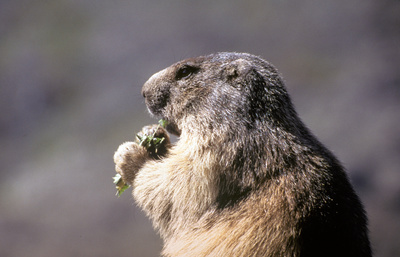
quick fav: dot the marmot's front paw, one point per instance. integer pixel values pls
(128, 159)
(155, 139)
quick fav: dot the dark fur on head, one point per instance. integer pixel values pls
(246, 178)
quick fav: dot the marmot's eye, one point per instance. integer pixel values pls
(185, 72)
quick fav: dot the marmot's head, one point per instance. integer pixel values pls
(218, 91)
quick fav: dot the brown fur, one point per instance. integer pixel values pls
(246, 177)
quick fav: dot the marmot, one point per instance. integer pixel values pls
(246, 177)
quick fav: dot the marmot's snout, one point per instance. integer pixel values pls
(156, 96)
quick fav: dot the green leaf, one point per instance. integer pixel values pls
(121, 186)
(163, 123)
(116, 178)
(121, 190)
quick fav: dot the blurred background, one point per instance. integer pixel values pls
(70, 79)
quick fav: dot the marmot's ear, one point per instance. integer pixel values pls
(238, 68)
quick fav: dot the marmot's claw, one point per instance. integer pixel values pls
(154, 130)
(128, 159)
(155, 139)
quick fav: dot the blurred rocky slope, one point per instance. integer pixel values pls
(70, 80)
